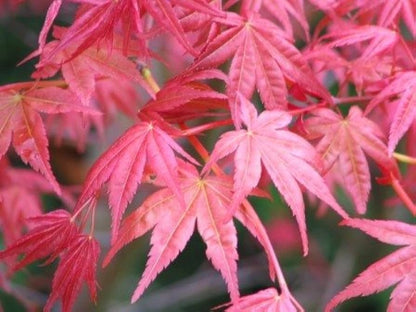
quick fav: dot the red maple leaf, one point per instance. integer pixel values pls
(206, 200)
(77, 263)
(396, 268)
(51, 234)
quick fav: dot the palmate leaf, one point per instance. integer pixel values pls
(345, 140)
(398, 267)
(288, 159)
(21, 123)
(262, 57)
(185, 97)
(206, 202)
(123, 164)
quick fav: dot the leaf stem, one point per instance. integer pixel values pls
(306, 109)
(201, 150)
(352, 99)
(148, 77)
(398, 188)
(405, 158)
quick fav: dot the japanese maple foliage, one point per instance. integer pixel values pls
(300, 97)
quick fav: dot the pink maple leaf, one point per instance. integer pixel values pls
(345, 141)
(288, 159)
(123, 164)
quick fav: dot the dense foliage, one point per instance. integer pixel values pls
(297, 97)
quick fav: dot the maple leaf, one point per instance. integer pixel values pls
(20, 120)
(51, 234)
(262, 58)
(398, 93)
(122, 166)
(77, 263)
(294, 160)
(345, 140)
(206, 202)
(266, 300)
(392, 269)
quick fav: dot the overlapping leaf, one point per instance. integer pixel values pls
(345, 141)
(98, 20)
(396, 268)
(185, 97)
(287, 158)
(92, 64)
